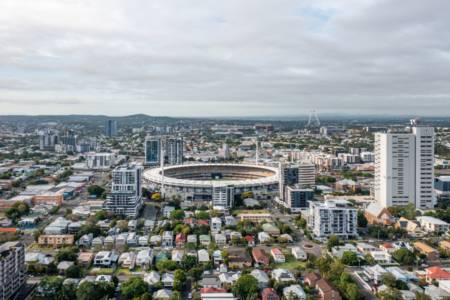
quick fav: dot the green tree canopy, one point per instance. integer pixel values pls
(134, 287)
(177, 214)
(95, 190)
(246, 285)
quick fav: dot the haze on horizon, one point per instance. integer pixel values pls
(224, 58)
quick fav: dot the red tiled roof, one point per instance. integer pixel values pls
(8, 229)
(212, 290)
(180, 238)
(201, 222)
(266, 292)
(260, 254)
(249, 238)
(387, 245)
(277, 251)
(436, 272)
(190, 220)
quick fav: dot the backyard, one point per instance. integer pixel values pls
(258, 211)
(290, 262)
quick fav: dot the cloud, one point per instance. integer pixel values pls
(212, 58)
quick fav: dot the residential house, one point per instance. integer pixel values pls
(250, 240)
(220, 239)
(163, 255)
(402, 275)
(365, 248)
(105, 259)
(98, 241)
(413, 227)
(430, 224)
(338, 251)
(400, 245)
(180, 240)
(378, 215)
(86, 240)
(227, 278)
(375, 273)
(211, 282)
(155, 239)
(110, 239)
(56, 240)
(434, 274)
(435, 292)
(298, 253)
(260, 256)
(241, 259)
(261, 276)
(143, 240)
(202, 222)
(114, 231)
(63, 266)
(167, 238)
(211, 290)
(223, 268)
(132, 239)
(217, 257)
(5, 222)
(431, 253)
(381, 257)
(230, 221)
(216, 223)
(149, 225)
(74, 227)
(167, 210)
(263, 237)
(445, 245)
(282, 275)
(151, 278)
(190, 222)
(168, 279)
(103, 278)
(144, 258)
(177, 255)
(85, 258)
(203, 256)
(296, 290)
(327, 290)
(312, 278)
(271, 229)
(287, 237)
(205, 239)
(269, 294)
(235, 235)
(128, 259)
(278, 255)
(388, 248)
(192, 239)
(121, 239)
(104, 224)
(163, 294)
(132, 224)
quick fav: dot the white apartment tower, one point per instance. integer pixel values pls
(404, 167)
(174, 150)
(125, 198)
(13, 274)
(306, 174)
(223, 195)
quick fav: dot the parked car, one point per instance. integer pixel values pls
(37, 250)
(83, 250)
(424, 265)
(365, 279)
(206, 273)
(231, 272)
(190, 296)
(56, 250)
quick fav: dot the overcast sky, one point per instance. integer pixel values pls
(224, 58)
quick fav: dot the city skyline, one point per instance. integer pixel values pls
(207, 58)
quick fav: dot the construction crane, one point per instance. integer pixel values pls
(310, 114)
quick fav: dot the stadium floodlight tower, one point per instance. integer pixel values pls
(310, 115)
(257, 154)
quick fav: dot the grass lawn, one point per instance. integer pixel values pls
(2, 215)
(36, 246)
(124, 271)
(103, 272)
(290, 259)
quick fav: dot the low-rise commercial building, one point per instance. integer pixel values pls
(56, 240)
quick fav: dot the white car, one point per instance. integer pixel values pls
(190, 296)
(56, 250)
(37, 250)
(239, 272)
(231, 272)
(365, 278)
(225, 247)
(206, 273)
(424, 265)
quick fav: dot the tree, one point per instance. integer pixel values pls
(322, 264)
(31, 269)
(271, 240)
(66, 292)
(179, 275)
(404, 256)
(410, 211)
(176, 286)
(302, 223)
(202, 215)
(246, 195)
(95, 190)
(286, 229)
(88, 291)
(74, 271)
(246, 285)
(189, 261)
(168, 264)
(391, 294)
(157, 197)
(349, 258)
(134, 287)
(99, 248)
(361, 218)
(123, 225)
(177, 214)
(158, 286)
(146, 296)
(190, 246)
(50, 283)
(51, 268)
(388, 279)
(332, 242)
(353, 292)
(369, 259)
(196, 273)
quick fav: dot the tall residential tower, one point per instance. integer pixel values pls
(110, 128)
(153, 148)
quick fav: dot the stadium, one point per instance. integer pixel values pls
(214, 182)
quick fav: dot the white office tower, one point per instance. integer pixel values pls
(174, 150)
(404, 166)
(100, 161)
(223, 195)
(333, 217)
(125, 198)
(306, 174)
(169, 130)
(153, 147)
(13, 273)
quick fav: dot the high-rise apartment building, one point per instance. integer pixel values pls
(110, 128)
(404, 167)
(125, 198)
(333, 217)
(153, 149)
(223, 195)
(169, 130)
(174, 150)
(288, 175)
(306, 174)
(224, 152)
(13, 273)
(70, 138)
(48, 142)
(101, 160)
(297, 198)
